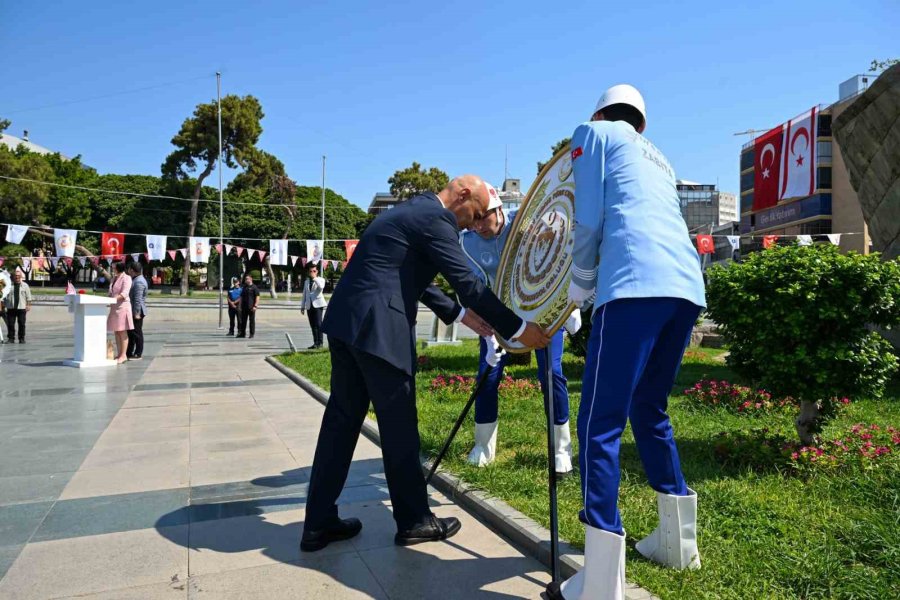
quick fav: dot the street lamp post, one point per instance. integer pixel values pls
(221, 203)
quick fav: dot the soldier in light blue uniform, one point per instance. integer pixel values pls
(483, 246)
(632, 251)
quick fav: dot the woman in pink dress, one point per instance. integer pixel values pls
(120, 318)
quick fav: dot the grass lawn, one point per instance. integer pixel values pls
(762, 534)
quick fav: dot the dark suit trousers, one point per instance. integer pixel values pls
(234, 314)
(315, 323)
(247, 316)
(13, 317)
(355, 378)
(136, 338)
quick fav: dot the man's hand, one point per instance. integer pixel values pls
(580, 296)
(534, 336)
(476, 323)
(28, 308)
(302, 311)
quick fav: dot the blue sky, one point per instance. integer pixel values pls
(377, 85)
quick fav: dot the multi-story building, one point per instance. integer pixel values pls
(832, 207)
(380, 202)
(702, 205)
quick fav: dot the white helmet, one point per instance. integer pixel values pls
(622, 94)
(493, 197)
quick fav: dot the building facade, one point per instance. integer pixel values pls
(704, 206)
(832, 207)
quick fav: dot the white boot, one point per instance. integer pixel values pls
(485, 449)
(603, 575)
(674, 542)
(563, 454)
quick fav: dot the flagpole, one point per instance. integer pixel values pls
(323, 206)
(221, 203)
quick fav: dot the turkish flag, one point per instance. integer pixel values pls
(767, 150)
(112, 244)
(705, 244)
(769, 241)
(798, 171)
(350, 247)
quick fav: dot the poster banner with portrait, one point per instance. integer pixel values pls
(535, 268)
(314, 250)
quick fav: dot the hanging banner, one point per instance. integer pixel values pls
(834, 238)
(735, 241)
(250, 253)
(294, 260)
(303, 261)
(15, 233)
(156, 247)
(95, 261)
(218, 248)
(798, 172)
(54, 261)
(705, 244)
(172, 254)
(26, 264)
(804, 240)
(68, 261)
(111, 244)
(314, 250)
(278, 252)
(767, 171)
(262, 255)
(334, 264)
(350, 247)
(228, 248)
(769, 241)
(183, 252)
(65, 241)
(136, 257)
(199, 249)
(238, 250)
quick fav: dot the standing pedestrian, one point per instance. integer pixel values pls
(314, 303)
(138, 296)
(249, 303)
(121, 319)
(234, 305)
(18, 305)
(5, 285)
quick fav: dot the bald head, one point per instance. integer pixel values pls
(466, 197)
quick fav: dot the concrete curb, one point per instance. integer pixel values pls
(522, 531)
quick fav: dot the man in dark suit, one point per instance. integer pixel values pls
(371, 335)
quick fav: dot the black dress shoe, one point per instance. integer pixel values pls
(339, 529)
(432, 529)
(554, 592)
(313, 347)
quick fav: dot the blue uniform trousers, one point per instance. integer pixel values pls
(486, 401)
(634, 353)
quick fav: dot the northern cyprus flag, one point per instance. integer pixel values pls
(798, 171)
(278, 252)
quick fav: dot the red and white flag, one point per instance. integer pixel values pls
(350, 247)
(798, 172)
(705, 244)
(767, 150)
(769, 241)
(112, 244)
(262, 254)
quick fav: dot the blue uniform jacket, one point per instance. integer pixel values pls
(630, 238)
(484, 255)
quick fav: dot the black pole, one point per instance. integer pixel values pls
(462, 417)
(551, 460)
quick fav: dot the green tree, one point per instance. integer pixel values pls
(878, 66)
(4, 125)
(413, 180)
(197, 146)
(797, 322)
(553, 151)
(22, 201)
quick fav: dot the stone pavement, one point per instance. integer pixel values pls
(184, 476)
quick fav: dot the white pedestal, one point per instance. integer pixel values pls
(90, 330)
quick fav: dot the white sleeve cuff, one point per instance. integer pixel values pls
(461, 315)
(521, 330)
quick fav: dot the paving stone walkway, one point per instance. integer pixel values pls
(184, 476)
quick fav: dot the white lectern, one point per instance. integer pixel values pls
(90, 330)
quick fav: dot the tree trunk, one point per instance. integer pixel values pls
(807, 422)
(267, 265)
(186, 274)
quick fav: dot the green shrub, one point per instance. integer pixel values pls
(797, 321)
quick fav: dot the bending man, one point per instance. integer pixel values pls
(483, 246)
(370, 325)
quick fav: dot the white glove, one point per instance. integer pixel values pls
(494, 351)
(580, 296)
(573, 323)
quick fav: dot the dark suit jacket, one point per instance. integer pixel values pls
(376, 300)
